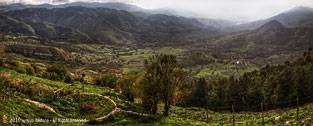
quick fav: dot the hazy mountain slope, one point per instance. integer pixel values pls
(10, 7)
(112, 5)
(270, 27)
(172, 30)
(272, 37)
(51, 32)
(291, 18)
(140, 12)
(218, 24)
(307, 23)
(167, 23)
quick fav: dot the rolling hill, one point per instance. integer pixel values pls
(115, 26)
(105, 25)
(272, 37)
(292, 18)
(111, 5)
(41, 30)
(8, 24)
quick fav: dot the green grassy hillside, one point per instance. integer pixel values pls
(67, 106)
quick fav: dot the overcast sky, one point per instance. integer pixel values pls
(239, 10)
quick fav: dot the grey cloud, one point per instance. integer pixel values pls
(60, 1)
(227, 9)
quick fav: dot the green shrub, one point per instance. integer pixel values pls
(5, 84)
(13, 63)
(2, 62)
(82, 79)
(57, 72)
(127, 85)
(30, 70)
(53, 76)
(21, 69)
(45, 75)
(107, 80)
(68, 78)
(35, 67)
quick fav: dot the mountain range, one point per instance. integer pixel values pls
(117, 23)
(298, 16)
(272, 37)
(138, 11)
(111, 5)
(106, 25)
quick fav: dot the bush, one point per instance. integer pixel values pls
(45, 75)
(21, 69)
(5, 84)
(2, 62)
(32, 89)
(30, 70)
(13, 63)
(107, 80)
(35, 67)
(68, 78)
(82, 79)
(127, 84)
(53, 76)
(57, 72)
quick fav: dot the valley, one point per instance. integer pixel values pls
(119, 64)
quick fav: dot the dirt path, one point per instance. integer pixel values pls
(41, 105)
(114, 111)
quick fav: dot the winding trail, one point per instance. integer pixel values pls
(114, 111)
(41, 105)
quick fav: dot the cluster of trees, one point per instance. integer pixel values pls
(106, 80)
(128, 86)
(5, 83)
(165, 82)
(162, 82)
(58, 72)
(276, 86)
(30, 69)
(54, 72)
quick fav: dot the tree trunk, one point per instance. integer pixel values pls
(166, 107)
(155, 107)
(132, 99)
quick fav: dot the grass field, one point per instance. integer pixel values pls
(70, 107)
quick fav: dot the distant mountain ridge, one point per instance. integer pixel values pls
(114, 26)
(111, 26)
(42, 30)
(105, 25)
(292, 18)
(271, 26)
(8, 25)
(272, 37)
(112, 5)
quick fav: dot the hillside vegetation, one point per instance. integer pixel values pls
(118, 64)
(70, 101)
